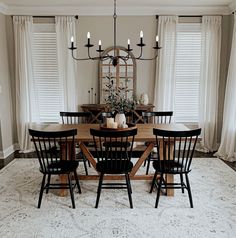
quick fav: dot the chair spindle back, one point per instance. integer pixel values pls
(177, 148)
(48, 146)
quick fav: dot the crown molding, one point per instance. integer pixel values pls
(232, 6)
(108, 11)
(4, 9)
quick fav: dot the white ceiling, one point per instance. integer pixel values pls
(124, 7)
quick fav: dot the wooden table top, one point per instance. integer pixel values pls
(145, 131)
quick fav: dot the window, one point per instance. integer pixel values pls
(188, 59)
(47, 85)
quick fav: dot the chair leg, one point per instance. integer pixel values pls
(159, 191)
(71, 191)
(182, 182)
(77, 181)
(148, 164)
(129, 190)
(41, 191)
(153, 182)
(48, 183)
(89, 163)
(99, 190)
(85, 165)
(189, 191)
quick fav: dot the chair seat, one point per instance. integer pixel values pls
(61, 167)
(114, 167)
(171, 167)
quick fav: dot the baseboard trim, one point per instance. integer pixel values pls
(10, 150)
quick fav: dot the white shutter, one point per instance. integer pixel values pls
(188, 55)
(46, 75)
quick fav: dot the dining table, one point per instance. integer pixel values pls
(144, 134)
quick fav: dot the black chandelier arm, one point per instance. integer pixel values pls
(92, 58)
(141, 53)
(105, 57)
(125, 58)
(72, 53)
(156, 55)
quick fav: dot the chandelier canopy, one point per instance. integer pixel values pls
(114, 58)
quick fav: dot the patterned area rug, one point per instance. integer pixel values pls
(214, 213)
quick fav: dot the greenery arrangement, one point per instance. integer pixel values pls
(116, 99)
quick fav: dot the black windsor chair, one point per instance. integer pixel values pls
(158, 117)
(52, 161)
(113, 151)
(77, 118)
(177, 148)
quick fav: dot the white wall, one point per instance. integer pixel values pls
(101, 28)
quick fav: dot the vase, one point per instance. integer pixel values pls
(120, 119)
(144, 99)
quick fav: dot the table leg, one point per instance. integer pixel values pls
(141, 159)
(169, 178)
(87, 154)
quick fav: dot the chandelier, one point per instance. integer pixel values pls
(114, 58)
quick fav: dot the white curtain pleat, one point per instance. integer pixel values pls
(209, 81)
(65, 28)
(165, 70)
(26, 100)
(227, 149)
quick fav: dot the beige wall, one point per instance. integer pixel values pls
(6, 127)
(226, 39)
(101, 28)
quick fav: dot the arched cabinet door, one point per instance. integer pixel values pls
(123, 74)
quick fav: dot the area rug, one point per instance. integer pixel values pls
(214, 214)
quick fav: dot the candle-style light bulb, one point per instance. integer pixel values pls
(141, 34)
(88, 36)
(128, 41)
(99, 45)
(72, 42)
(157, 39)
(141, 37)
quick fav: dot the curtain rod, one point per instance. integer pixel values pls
(181, 16)
(43, 16)
(76, 17)
(193, 15)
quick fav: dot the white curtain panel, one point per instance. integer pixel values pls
(25, 97)
(227, 148)
(65, 28)
(165, 70)
(209, 82)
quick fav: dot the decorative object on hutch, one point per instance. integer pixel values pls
(114, 58)
(144, 99)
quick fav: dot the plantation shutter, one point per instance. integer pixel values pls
(47, 85)
(188, 55)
